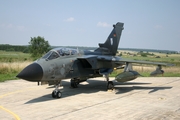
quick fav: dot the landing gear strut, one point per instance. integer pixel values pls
(57, 93)
(110, 85)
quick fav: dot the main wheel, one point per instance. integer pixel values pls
(110, 85)
(73, 84)
(54, 94)
(59, 94)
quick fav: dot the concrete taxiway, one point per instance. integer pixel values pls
(144, 98)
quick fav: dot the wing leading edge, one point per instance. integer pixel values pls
(145, 62)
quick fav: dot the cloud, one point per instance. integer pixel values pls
(9, 26)
(2, 25)
(12, 27)
(71, 19)
(103, 24)
(20, 28)
(158, 27)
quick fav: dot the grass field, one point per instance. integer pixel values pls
(14, 57)
(11, 63)
(8, 70)
(145, 70)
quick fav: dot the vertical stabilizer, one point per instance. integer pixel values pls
(110, 46)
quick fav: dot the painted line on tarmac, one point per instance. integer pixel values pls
(13, 114)
(10, 93)
(4, 95)
(18, 91)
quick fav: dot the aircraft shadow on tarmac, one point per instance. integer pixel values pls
(124, 88)
(96, 86)
(128, 89)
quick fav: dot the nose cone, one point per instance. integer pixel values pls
(32, 72)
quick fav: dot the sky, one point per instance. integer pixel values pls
(148, 24)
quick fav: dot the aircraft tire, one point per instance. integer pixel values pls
(59, 94)
(73, 84)
(110, 85)
(54, 94)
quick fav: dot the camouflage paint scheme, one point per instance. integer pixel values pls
(77, 65)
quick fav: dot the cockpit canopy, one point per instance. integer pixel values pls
(59, 52)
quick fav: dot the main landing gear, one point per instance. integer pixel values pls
(57, 93)
(110, 85)
(75, 82)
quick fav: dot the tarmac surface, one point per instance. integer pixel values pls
(152, 98)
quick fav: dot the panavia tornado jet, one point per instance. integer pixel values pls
(78, 66)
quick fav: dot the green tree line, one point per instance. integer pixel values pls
(18, 48)
(37, 47)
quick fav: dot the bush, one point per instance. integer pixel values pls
(144, 54)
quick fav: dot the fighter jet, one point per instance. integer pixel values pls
(78, 66)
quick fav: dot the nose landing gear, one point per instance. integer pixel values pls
(57, 93)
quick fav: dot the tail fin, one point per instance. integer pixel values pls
(111, 44)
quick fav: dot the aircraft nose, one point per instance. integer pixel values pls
(32, 72)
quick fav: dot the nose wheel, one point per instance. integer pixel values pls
(56, 93)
